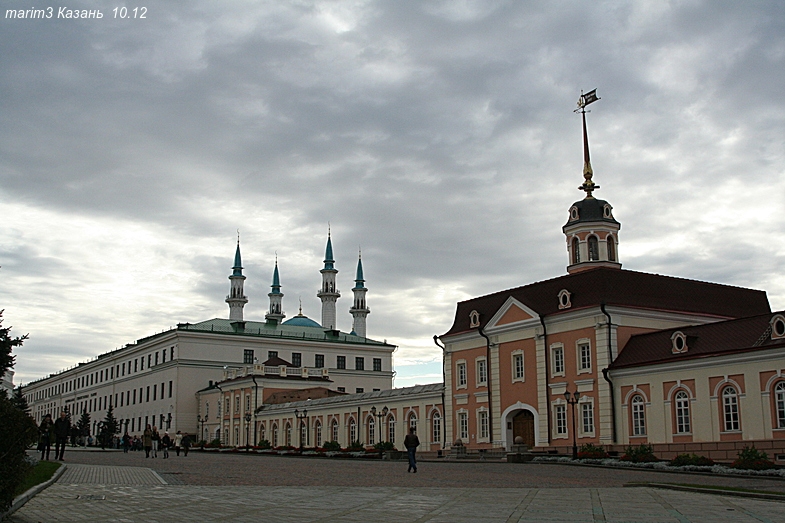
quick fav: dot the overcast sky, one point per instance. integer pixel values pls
(438, 136)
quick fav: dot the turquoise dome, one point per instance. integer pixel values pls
(302, 321)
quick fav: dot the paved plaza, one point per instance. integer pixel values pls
(116, 487)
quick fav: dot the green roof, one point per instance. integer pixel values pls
(275, 330)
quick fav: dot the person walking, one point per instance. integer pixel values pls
(62, 430)
(186, 443)
(147, 440)
(156, 441)
(411, 442)
(126, 443)
(46, 431)
(178, 441)
(166, 442)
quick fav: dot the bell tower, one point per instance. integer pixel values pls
(591, 231)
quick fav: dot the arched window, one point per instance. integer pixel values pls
(594, 249)
(779, 399)
(288, 434)
(391, 429)
(611, 248)
(318, 433)
(730, 409)
(334, 430)
(682, 412)
(638, 416)
(576, 251)
(274, 430)
(303, 434)
(371, 430)
(413, 420)
(261, 431)
(436, 427)
(352, 431)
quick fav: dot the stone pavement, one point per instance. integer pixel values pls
(103, 494)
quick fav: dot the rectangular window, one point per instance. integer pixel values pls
(436, 424)
(170, 389)
(561, 419)
(149, 360)
(377, 364)
(171, 352)
(585, 356)
(461, 377)
(111, 373)
(517, 367)
(236, 404)
(123, 369)
(134, 397)
(141, 363)
(148, 394)
(163, 356)
(155, 391)
(483, 424)
(359, 363)
(248, 403)
(272, 354)
(482, 372)
(248, 356)
(122, 397)
(587, 417)
(463, 426)
(358, 390)
(101, 379)
(318, 361)
(341, 389)
(297, 359)
(136, 365)
(156, 358)
(558, 360)
(341, 363)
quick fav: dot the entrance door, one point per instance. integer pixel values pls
(523, 426)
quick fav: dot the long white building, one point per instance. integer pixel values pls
(155, 380)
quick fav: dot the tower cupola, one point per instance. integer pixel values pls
(328, 293)
(359, 310)
(591, 230)
(236, 298)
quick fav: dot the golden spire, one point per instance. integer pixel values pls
(588, 184)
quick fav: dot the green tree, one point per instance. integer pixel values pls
(17, 430)
(109, 427)
(84, 424)
(19, 401)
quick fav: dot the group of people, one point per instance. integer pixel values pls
(152, 441)
(56, 431)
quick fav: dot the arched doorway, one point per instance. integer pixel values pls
(523, 426)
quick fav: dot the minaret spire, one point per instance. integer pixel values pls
(359, 310)
(275, 313)
(236, 299)
(328, 293)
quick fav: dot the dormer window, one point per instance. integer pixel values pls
(778, 327)
(573, 213)
(564, 299)
(474, 319)
(606, 211)
(679, 341)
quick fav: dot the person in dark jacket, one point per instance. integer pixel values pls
(147, 440)
(186, 443)
(411, 442)
(62, 430)
(166, 442)
(46, 431)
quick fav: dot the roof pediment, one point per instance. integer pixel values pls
(513, 312)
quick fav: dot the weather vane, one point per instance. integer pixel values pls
(588, 185)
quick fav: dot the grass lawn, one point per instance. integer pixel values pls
(37, 475)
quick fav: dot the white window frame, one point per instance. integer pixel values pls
(731, 415)
(584, 342)
(461, 377)
(588, 404)
(463, 425)
(557, 348)
(371, 430)
(481, 371)
(483, 425)
(560, 407)
(391, 429)
(779, 404)
(515, 357)
(638, 413)
(436, 427)
(681, 402)
(335, 430)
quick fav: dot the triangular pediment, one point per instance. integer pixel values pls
(512, 312)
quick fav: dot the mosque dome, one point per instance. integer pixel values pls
(302, 321)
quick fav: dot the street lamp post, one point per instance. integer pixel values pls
(572, 399)
(380, 416)
(300, 421)
(201, 420)
(247, 429)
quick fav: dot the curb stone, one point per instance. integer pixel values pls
(21, 499)
(722, 492)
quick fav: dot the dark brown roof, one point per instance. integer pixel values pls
(713, 339)
(275, 361)
(619, 287)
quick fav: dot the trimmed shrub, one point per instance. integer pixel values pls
(639, 454)
(683, 460)
(356, 445)
(751, 458)
(265, 445)
(332, 446)
(384, 445)
(589, 451)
